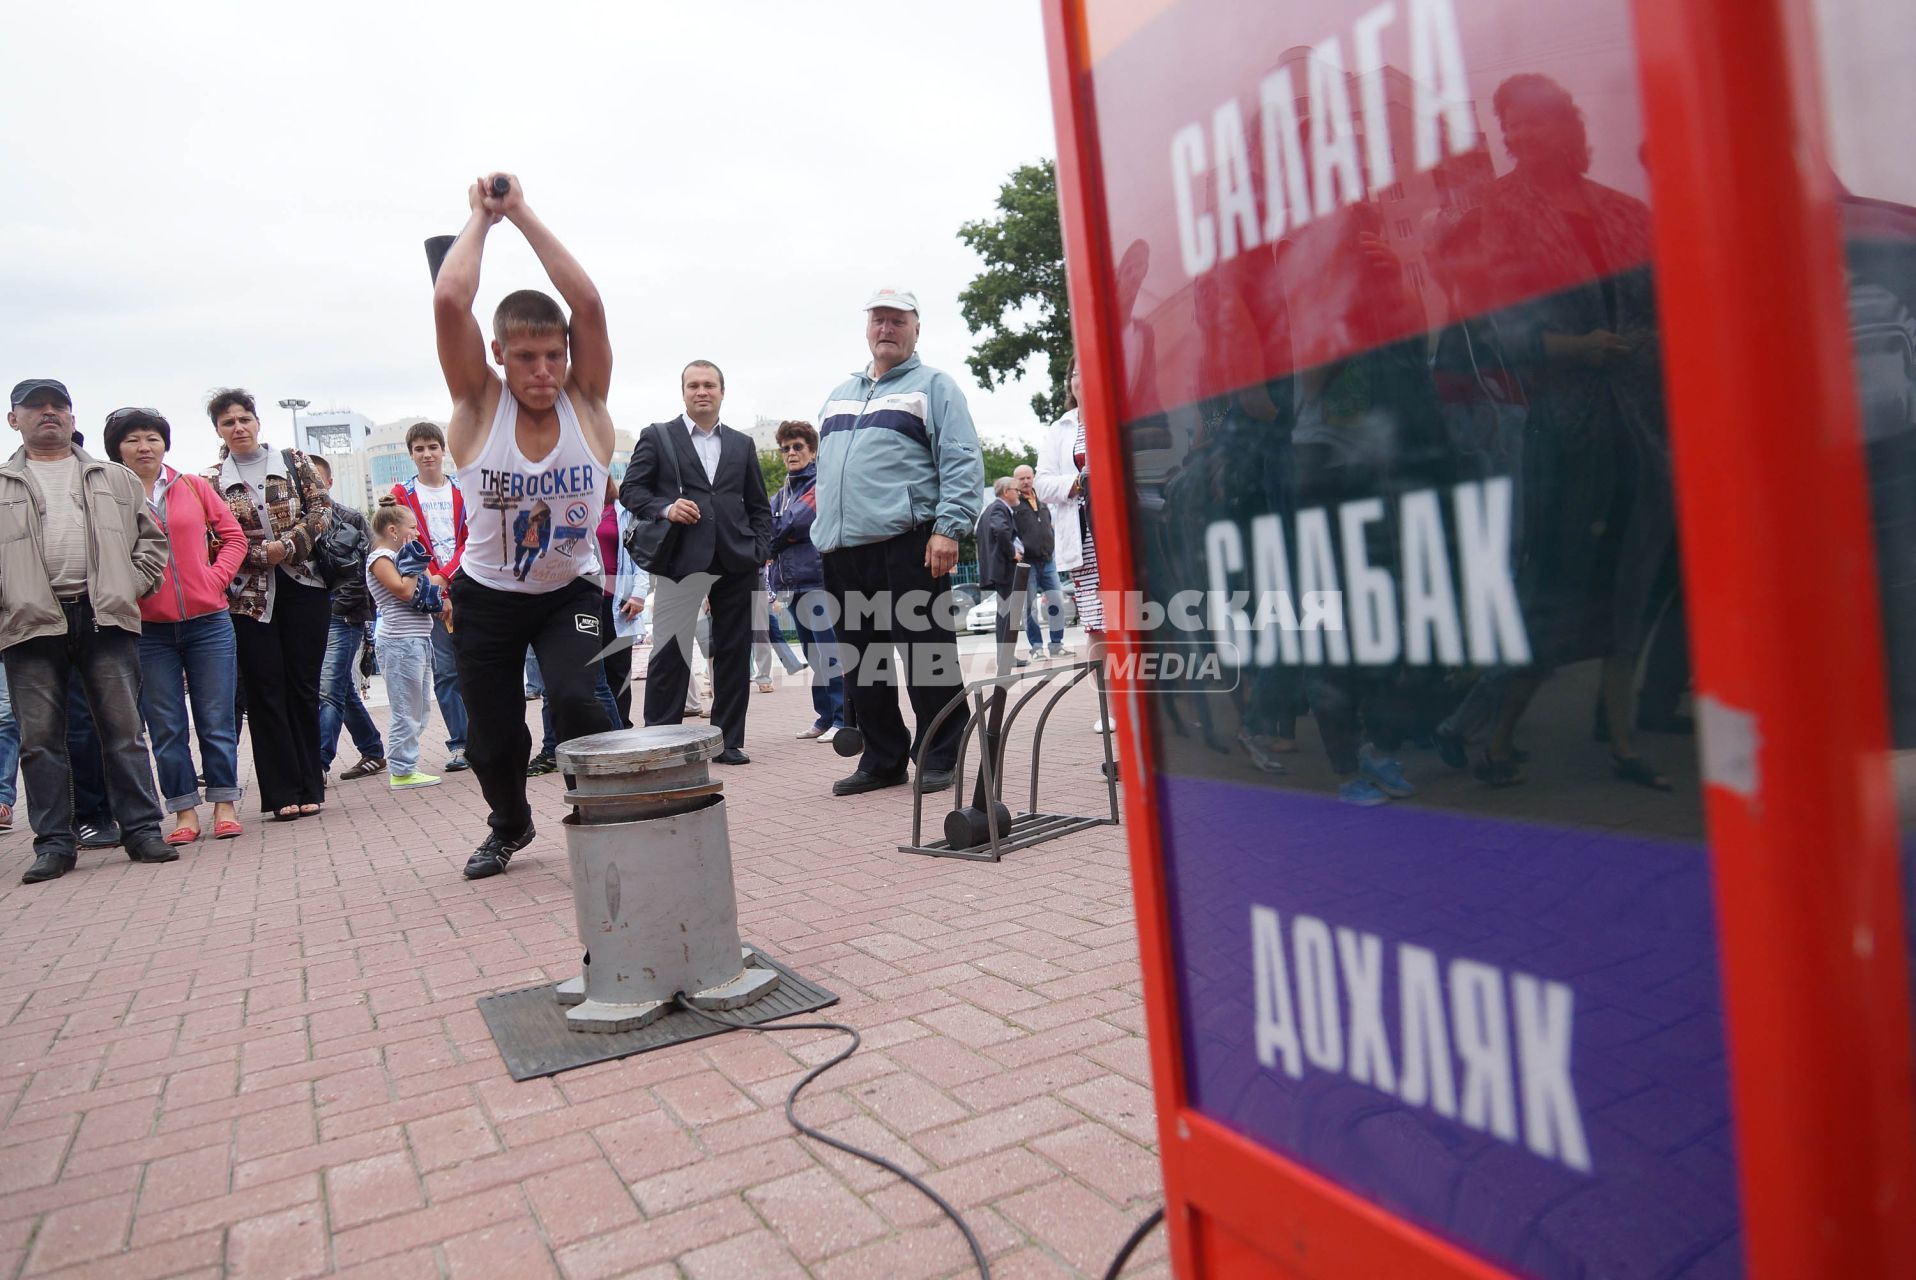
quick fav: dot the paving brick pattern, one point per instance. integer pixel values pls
(265, 1060)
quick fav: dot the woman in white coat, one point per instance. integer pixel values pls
(1060, 485)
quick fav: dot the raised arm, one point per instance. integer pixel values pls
(462, 346)
(591, 347)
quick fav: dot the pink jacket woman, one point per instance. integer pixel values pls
(197, 574)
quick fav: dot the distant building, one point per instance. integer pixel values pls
(764, 433)
(338, 435)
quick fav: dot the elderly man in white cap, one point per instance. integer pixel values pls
(900, 480)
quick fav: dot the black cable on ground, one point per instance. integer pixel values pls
(791, 1114)
(1136, 1238)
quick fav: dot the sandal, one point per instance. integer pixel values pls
(308, 810)
(227, 829)
(1636, 769)
(287, 813)
(182, 835)
(1497, 773)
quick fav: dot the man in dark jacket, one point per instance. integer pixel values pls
(710, 486)
(339, 701)
(1040, 543)
(796, 571)
(998, 555)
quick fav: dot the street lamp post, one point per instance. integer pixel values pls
(295, 406)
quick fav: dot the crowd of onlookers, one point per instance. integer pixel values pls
(137, 599)
(265, 597)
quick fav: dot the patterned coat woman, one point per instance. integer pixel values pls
(281, 610)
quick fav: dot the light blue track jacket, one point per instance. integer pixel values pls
(894, 453)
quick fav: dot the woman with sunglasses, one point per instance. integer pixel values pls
(797, 572)
(186, 634)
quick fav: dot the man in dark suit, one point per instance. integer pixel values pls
(998, 553)
(711, 487)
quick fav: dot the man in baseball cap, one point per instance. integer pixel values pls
(899, 483)
(78, 548)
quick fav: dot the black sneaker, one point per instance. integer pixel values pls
(541, 765)
(457, 763)
(97, 835)
(491, 857)
(366, 768)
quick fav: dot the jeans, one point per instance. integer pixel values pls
(811, 614)
(339, 701)
(1045, 586)
(9, 746)
(406, 662)
(193, 657)
(39, 672)
(445, 687)
(83, 762)
(616, 658)
(774, 640)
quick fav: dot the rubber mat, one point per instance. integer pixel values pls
(530, 1029)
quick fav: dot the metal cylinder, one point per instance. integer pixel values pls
(651, 863)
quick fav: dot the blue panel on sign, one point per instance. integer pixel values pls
(1507, 1032)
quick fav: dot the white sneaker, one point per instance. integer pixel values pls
(829, 734)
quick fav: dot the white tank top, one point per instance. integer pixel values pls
(532, 526)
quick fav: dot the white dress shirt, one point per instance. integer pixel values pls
(705, 444)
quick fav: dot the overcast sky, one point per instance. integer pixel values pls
(213, 194)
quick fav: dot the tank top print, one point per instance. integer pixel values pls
(530, 525)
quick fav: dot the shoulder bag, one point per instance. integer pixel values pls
(650, 542)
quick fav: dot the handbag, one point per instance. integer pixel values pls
(651, 542)
(213, 542)
(338, 554)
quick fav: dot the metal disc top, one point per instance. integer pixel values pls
(640, 750)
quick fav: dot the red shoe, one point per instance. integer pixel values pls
(182, 835)
(226, 829)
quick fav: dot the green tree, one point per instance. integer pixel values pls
(1003, 459)
(1018, 303)
(772, 467)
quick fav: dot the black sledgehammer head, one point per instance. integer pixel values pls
(967, 828)
(437, 247)
(501, 187)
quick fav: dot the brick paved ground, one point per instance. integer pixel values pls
(265, 1060)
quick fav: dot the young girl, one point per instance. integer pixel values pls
(403, 642)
